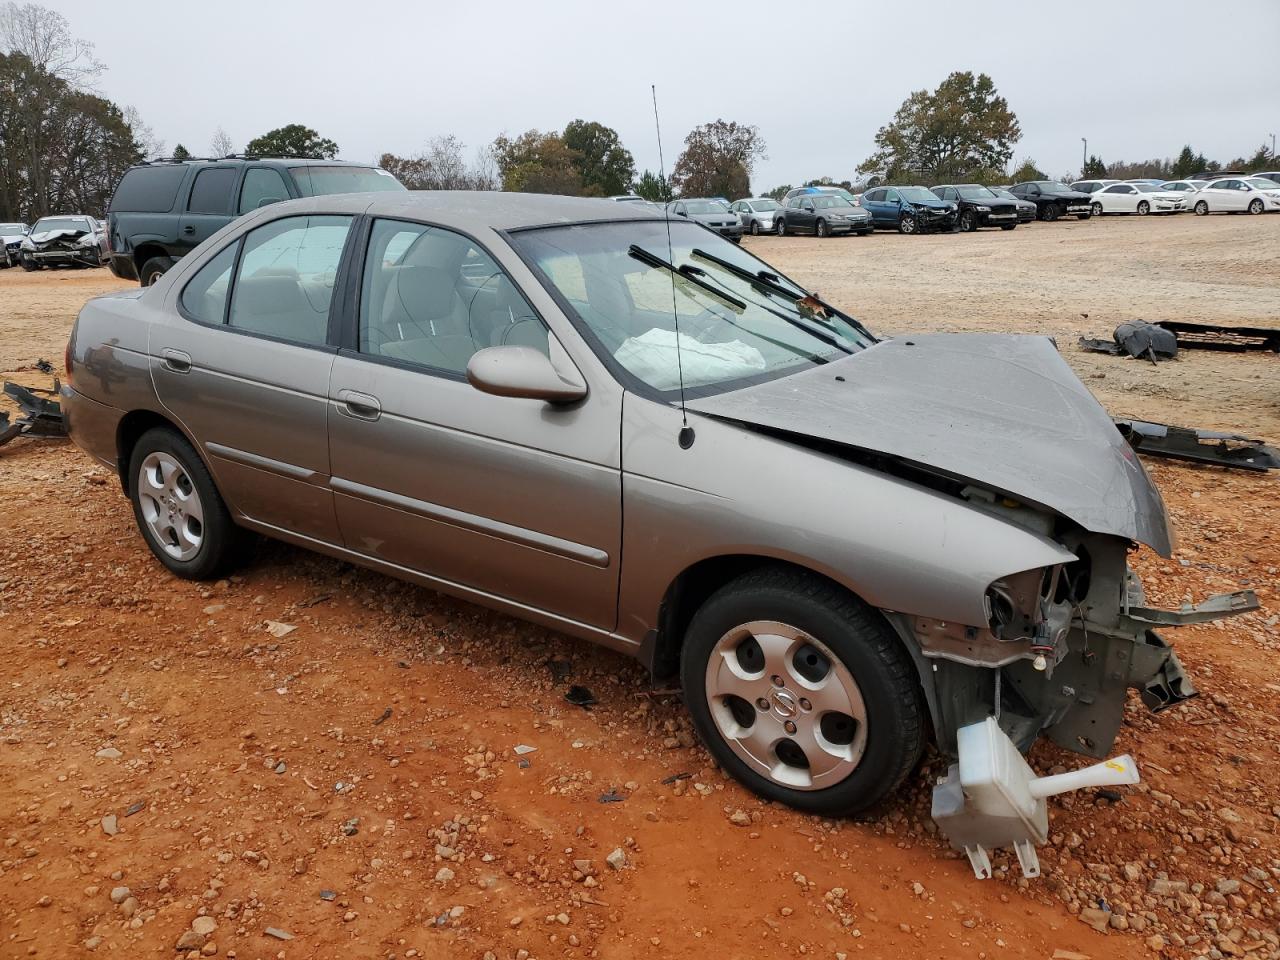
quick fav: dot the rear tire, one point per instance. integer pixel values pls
(179, 511)
(820, 641)
(153, 269)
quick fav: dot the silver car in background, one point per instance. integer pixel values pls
(841, 545)
(711, 213)
(756, 214)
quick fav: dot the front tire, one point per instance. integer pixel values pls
(755, 228)
(780, 228)
(1009, 226)
(907, 223)
(179, 511)
(821, 229)
(28, 264)
(802, 692)
(1255, 206)
(1097, 209)
(1049, 212)
(1201, 208)
(968, 222)
(1144, 208)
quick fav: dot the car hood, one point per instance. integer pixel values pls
(1067, 195)
(1004, 412)
(935, 203)
(48, 236)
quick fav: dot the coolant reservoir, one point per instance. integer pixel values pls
(992, 798)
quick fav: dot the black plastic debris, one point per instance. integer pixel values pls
(383, 717)
(580, 697)
(676, 776)
(135, 808)
(1199, 446)
(44, 366)
(612, 797)
(38, 417)
(1137, 338)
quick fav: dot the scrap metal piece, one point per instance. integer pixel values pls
(1199, 446)
(1215, 608)
(1138, 338)
(1098, 345)
(1212, 336)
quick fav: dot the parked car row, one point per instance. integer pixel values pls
(1240, 193)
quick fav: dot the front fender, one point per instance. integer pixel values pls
(898, 545)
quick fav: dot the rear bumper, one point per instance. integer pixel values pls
(91, 425)
(122, 266)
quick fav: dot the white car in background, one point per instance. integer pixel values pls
(1139, 198)
(1237, 195)
(1184, 187)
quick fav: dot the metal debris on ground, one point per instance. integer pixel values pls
(580, 697)
(135, 808)
(523, 748)
(383, 717)
(1199, 446)
(676, 776)
(612, 797)
(1137, 338)
(1212, 336)
(328, 895)
(39, 417)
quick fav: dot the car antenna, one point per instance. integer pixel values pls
(686, 435)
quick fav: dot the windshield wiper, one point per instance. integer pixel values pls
(645, 257)
(771, 281)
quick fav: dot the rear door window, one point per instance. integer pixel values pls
(285, 280)
(262, 185)
(205, 296)
(149, 189)
(211, 192)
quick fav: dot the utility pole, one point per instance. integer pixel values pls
(1273, 146)
(1084, 154)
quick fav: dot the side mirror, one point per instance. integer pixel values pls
(524, 372)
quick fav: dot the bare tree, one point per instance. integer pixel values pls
(44, 37)
(150, 145)
(220, 145)
(441, 166)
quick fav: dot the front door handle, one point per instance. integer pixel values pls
(362, 406)
(177, 361)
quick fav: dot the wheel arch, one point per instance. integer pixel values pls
(130, 430)
(146, 250)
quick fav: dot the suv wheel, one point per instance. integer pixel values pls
(907, 223)
(178, 509)
(802, 692)
(153, 269)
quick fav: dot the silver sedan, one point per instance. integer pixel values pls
(756, 214)
(629, 429)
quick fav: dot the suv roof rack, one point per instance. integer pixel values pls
(229, 156)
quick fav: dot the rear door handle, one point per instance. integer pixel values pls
(188, 229)
(360, 405)
(177, 361)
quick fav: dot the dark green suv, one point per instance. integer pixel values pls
(163, 209)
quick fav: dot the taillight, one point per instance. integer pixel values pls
(66, 361)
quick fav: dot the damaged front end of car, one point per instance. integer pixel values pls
(62, 247)
(1061, 648)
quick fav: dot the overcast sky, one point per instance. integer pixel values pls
(818, 79)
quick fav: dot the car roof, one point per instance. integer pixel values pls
(473, 210)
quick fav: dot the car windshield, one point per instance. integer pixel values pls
(1001, 192)
(1050, 186)
(59, 223)
(831, 202)
(763, 206)
(838, 192)
(12, 227)
(916, 193)
(1262, 183)
(705, 206)
(321, 181)
(739, 321)
(975, 193)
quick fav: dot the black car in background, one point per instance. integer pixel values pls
(163, 209)
(1053, 199)
(823, 215)
(1027, 210)
(979, 207)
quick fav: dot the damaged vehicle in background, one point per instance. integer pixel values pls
(841, 545)
(63, 241)
(909, 209)
(11, 235)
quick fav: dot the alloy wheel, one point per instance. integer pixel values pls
(1144, 208)
(786, 705)
(1097, 209)
(907, 224)
(780, 228)
(1201, 208)
(171, 506)
(1255, 206)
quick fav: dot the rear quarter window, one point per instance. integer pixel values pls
(148, 189)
